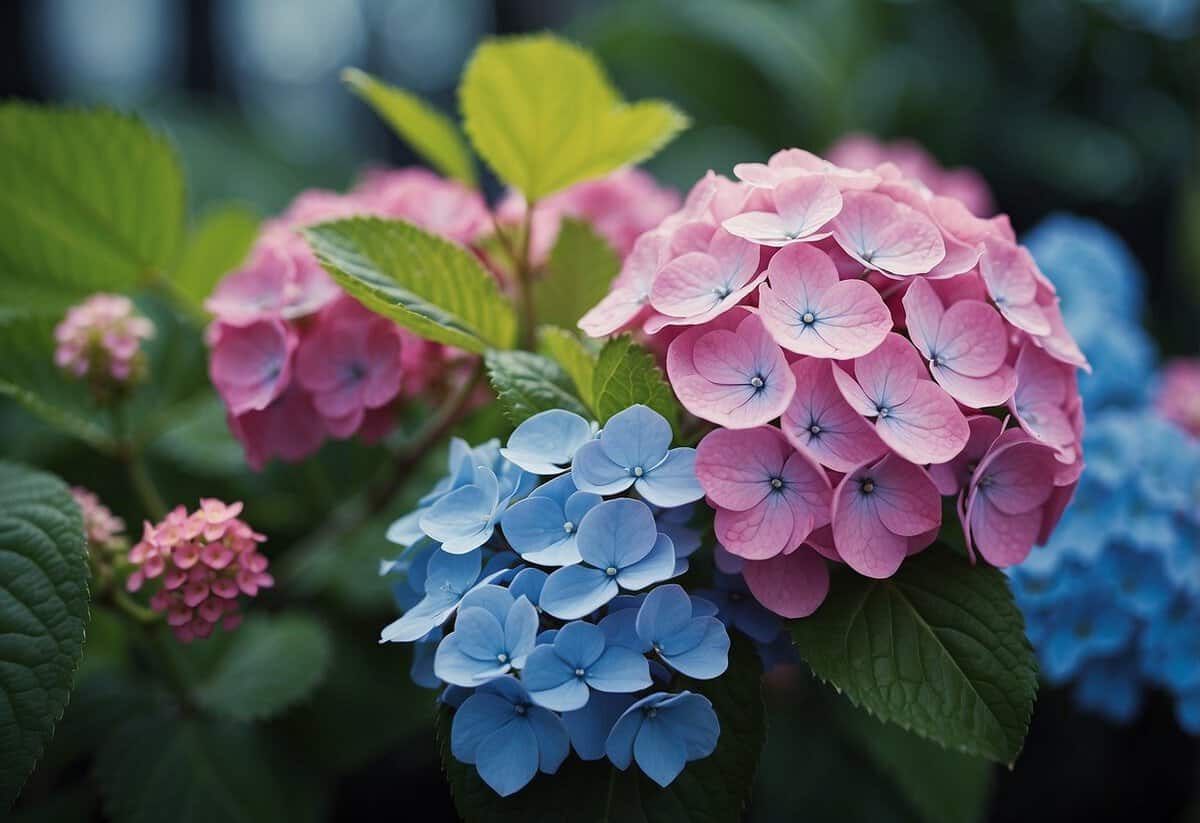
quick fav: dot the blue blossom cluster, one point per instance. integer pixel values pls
(534, 584)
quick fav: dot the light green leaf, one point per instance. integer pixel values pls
(43, 613)
(939, 649)
(528, 383)
(270, 664)
(90, 200)
(217, 245)
(577, 276)
(542, 114)
(431, 134)
(577, 360)
(627, 374)
(429, 285)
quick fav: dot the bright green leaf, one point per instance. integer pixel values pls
(429, 285)
(528, 383)
(270, 664)
(939, 648)
(90, 200)
(431, 134)
(573, 355)
(542, 114)
(627, 374)
(218, 244)
(577, 276)
(43, 613)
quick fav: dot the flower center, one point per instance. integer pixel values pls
(580, 672)
(883, 411)
(611, 571)
(721, 292)
(756, 381)
(868, 486)
(657, 648)
(776, 483)
(356, 371)
(814, 429)
(638, 471)
(651, 712)
(519, 709)
(502, 657)
(568, 527)
(808, 318)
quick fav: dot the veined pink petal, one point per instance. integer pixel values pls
(1002, 539)
(1038, 402)
(889, 374)
(887, 236)
(735, 467)
(251, 365)
(1011, 277)
(792, 585)
(689, 285)
(807, 491)
(862, 540)
(978, 392)
(763, 531)
(723, 357)
(820, 422)
(1016, 476)
(806, 204)
(906, 498)
(927, 427)
(619, 309)
(1059, 343)
(961, 255)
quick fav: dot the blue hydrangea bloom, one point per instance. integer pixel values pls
(507, 736)
(493, 634)
(528, 583)
(561, 675)
(663, 732)
(448, 578)
(545, 443)
(621, 549)
(589, 727)
(465, 518)
(461, 470)
(634, 449)
(693, 645)
(543, 527)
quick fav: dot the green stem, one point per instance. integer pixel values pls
(523, 269)
(132, 609)
(143, 485)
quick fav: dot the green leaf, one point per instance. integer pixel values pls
(90, 200)
(627, 374)
(577, 360)
(712, 790)
(542, 114)
(218, 245)
(581, 267)
(43, 612)
(431, 134)
(528, 383)
(271, 664)
(939, 648)
(429, 285)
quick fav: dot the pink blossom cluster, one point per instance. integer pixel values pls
(104, 530)
(866, 348)
(203, 561)
(1178, 397)
(100, 340)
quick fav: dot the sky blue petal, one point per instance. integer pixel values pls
(451, 572)
(499, 561)
(421, 670)
(453, 665)
(567, 696)
(619, 745)
(545, 638)
(406, 530)
(545, 670)
(691, 716)
(620, 629)
(433, 610)
(655, 567)
(553, 742)
(702, 607)
(672, 482)
(690, 635)
(528, 583)
(508, 759)
(545, 443)
(563, 553)
(480, 715)
(496, 599)
(660, 752)
(534, 524)
(617, 533)
(461, 520)
(638, 436)
(576, 591)
(595, 472)
(665, 612)
(619, 669)
(520, 630)
(579, 644)
(589, 727)
(579, 504)
(479, 635)
(509, 688)
(558, 489)
(707, 659)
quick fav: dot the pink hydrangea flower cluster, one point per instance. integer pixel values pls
(104, 530)
(866, 348)
(203, 561)
(1178, 397)
(100, 340)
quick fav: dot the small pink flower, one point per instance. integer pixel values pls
(1178, 397)
(768, 496)
(443, 207)
(1045, 388)
(104, 530)
(886, 236)
(629, 298)
(878, 510)
(790, 164)
(290, 429)
(913, 415)
(1011, 277)
(251, 365)
(100, 340)
(731, 372)
(801, 207)
(952, 477)
(821, 423)
(698, 286)
(808, 310)
(791, 585)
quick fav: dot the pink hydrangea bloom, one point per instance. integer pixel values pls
(100, 341)
(700, 285)
(105, 531)
(199, 564)
(251, 365)
(1178, 397)
(288, 429)
(443, 207)
(820, 422)
(791, 585)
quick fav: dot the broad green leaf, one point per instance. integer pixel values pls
(939, 649)
(528, 383)
(90, 200)
(712, 790)
(577, 276)
(217, 245)
(427, 284)
(43, 613)
(270, 664)
(627, 374)
(573, 355)
(431, 134)
(542, 114)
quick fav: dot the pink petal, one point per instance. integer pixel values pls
(1017, 477)
(723, 357)
(926, 428)
(961, 256)
(978, 392)
(842, 439)
(1059, 343)
(862, 540)
(763, 531)
(907, 500)
(619, 309)
(887, 236)
(735, 467)
(792, 585)
(762, 227)
(923, 313)
(806, 203)
(889, 374)
(807, 491)
(972, 339)
(1002, 539)
(853, 394)
(688, 285)
(1052, 512)
(1011, 277)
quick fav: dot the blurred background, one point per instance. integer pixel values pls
(1088, 106)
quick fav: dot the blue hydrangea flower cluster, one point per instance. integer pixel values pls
(535, 586)
(1112, 602)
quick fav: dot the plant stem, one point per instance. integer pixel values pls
(524, 281)
(132, 609)
(135, 466)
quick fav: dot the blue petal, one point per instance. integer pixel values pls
(528, 583)
(595, 472)
(508, 759)
(619, 670)
(579, 504)
(579, 644)
(619, 745)
(660, 752)
(589, 726)
(545, 673)
(461, 520)
(451, 572)
(617, 533)
(704, 608)
(559, 489)
(665, 612)
(434, 610)
(406, 530)
(520, 630)
(552, 740)
(534, 524)
(567, 696)
(545, 443)
(575, 591)
(638, 436)
(479, 716)
(495, 599)
(691, 716)
(453, 665)
(421, 670)
(619, 629)
(707, 659)
(672, 482)
(655, 567)
(479, 634)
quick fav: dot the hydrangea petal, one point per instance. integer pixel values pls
(927, 427)
(595, 472)
(589, 727)
(763, 531)
(706, 658)
(619, 669)
(791, 585)
(820, 422)
(476, 719)
(659, 753)
(545, 443)
(887, 236)
(656, 566)
(672, 482)
(576, 591)
(617, 533)
(508, 759)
